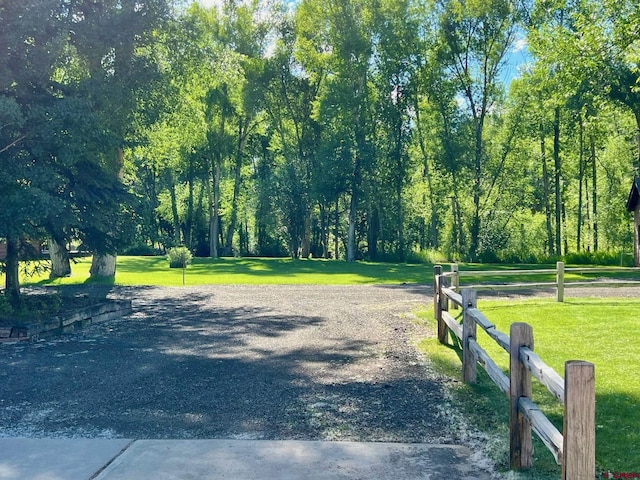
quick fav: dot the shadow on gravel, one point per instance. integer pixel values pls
(180, 368)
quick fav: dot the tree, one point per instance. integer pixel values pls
(335, 37)
(475, 37)
(114, 43)
(31, 43)
(396, 60)
(289, 101)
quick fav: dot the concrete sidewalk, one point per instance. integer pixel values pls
(105, 459)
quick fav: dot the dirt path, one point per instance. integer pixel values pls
(259, 362)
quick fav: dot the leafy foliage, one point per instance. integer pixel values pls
(179, 257)
(340, 129)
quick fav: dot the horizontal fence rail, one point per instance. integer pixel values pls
(574, 447)
(559, 284)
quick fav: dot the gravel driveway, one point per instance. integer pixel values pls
(255, 362)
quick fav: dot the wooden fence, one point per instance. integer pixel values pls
(574, 447)
(559, 284)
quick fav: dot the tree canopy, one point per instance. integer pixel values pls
(360, 129)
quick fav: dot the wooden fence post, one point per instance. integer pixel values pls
(469, 362)
(560, 281)
(443, 330)
(437, 271)
(579, 430)
(520, 439)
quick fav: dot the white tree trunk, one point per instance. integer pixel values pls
(103, 265)
(60, 265)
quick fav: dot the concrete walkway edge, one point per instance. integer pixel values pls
(105, 459)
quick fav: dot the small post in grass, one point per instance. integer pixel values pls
(520, 439)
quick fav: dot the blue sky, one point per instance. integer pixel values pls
(517, 58)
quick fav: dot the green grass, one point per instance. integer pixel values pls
(206, 271)
(203, 271)
(602, 331)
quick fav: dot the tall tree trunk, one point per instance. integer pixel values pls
(150, 184)
(545, 183)
(243, 128)
(373, 230)
(637, 115)
(587, 202)
(564, 227)
(400, 224)
(580, 180)
(324, 230)
(214, 212)
(556, 160)
(426, 174)
(594, 195)
(12, 278)
(103, 265)
(400, 174)
(356, 179)
(174, 210)
(336, 230)
(477, 178)
(59, 255)
(214, 195)
(188, 233)
(351, 232)
(458, 239)
(306, 234)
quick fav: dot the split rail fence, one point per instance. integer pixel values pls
(559, 284)
(574, 447)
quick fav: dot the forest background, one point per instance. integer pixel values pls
(349, 129)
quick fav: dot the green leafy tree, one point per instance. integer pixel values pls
(475, 37)
(335, 37)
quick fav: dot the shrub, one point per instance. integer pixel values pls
(600, 258)
(179, 257)
(428, 256)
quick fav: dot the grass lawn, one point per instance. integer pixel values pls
(204, 271)
(602, 331)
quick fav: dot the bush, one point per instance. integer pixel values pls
(179, 257)
(600, 258)
(33, 307)
(429, 256)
